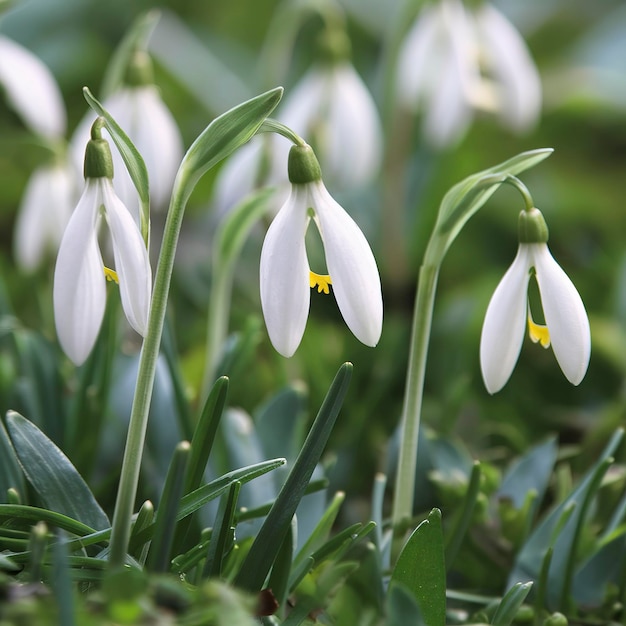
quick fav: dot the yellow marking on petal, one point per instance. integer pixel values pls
(111, 275)
(321, 281)
(538, 333)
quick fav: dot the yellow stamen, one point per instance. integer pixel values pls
(111, 275)
(321, 281)
(538, 333)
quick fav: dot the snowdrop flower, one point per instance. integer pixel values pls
(43, 214)
(456, 60)
(332, 106)
(508, 313)
(285, 276)
(31, 90)
(142, 114)
(80, 275)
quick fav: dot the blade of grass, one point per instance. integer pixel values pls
(263, 551)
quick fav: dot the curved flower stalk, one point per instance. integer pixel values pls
(142, 114)
(508, 313)
(31, 90)
(285, 276)
(80, 275)
(44, 211)
(455, 61)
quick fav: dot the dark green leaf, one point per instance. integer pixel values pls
(421, 569)
(56, 481)
(270, 538)
(222, 536)
(530, 473)
(11, 475)
(510, 604)
(167, 513)
(531, 556)
(194, 500)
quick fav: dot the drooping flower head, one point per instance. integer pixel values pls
(285, 275)
(44, 211)
(139, 110)
(508, 314)
(333, 108)
(31, 90)
(456, 60)
(80, 274)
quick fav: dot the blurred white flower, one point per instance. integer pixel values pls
(333, 109)
(80, 275)
(44, 211)
(508, 314)
(143, 116)
(285, 276)
(31, 90)
(248, 169)
(455, 61)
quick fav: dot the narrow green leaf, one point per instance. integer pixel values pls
(222, 532)
(56, 481)
(132, 159)
(281, 570)
(532, 472)
(322, 530)
(167, 513)
(263, 551)
(33, 514)
(193, 501)
(11, 476)
(61, 582)
(144, 518)
(464, 517)
(223, 136)
(530, 557)
(510, 604)
(421, 569)
(201, 444)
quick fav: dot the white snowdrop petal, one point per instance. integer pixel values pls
(355, 142)
(510, 61)
(505, 324)
(31, 89)
(352, 267)
(418, 60)
(565, 315)
(158, 139)
(284, 274)
(44, 211)
(131, 259)
(79, 293)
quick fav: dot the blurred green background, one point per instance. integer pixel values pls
(580, 49)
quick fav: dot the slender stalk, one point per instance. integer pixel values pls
(411, 412)
(120, 531)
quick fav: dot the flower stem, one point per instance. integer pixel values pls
(412, 407)
(133, 451)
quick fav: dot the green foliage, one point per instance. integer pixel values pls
(420, 569)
